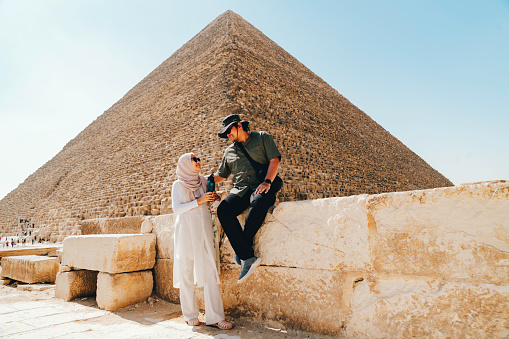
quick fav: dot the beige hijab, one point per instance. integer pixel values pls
(190, 179)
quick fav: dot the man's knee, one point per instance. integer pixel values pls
(262, 200)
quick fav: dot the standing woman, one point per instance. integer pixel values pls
(194, 254)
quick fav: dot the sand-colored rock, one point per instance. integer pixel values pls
(299, 298)
(459, 232)
(73, 284)
(146, 226)
(164, 229)
(112, 253)
(420, 307)
(125, 225)
(115, 291)
(163, 281)
(44, 250)
(30, 268)
(329, 234)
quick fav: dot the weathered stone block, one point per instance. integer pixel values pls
(164, 229)
(319, 234)
(74, 284)
(115, 291)
(419, 307)
(30, 268)
(112, 253)
(299, 298)
(28, 251)
(124, 225)
(459, 232)
(163, 281)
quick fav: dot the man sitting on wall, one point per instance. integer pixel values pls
(253, 188)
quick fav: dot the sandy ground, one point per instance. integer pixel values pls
(32, 311)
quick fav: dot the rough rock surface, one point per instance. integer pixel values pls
(163, 281)
(30, 268)
(115, 291)
(73, 284)
(40, 250)
(112, 253)
(126, 225)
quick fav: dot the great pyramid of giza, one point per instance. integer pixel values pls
(123, 163)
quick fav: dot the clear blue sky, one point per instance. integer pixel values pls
(435, 74)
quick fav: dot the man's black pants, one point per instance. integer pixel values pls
(231, 207)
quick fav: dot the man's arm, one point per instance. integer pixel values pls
(272, 170)
(264, 187)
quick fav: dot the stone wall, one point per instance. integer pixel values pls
(123, 163)
(427, 263)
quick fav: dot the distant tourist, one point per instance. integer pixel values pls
(194, 245)
(253, 160)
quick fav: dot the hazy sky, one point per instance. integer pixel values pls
(435, 74)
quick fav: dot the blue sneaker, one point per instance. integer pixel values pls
(237, 260)
(247, 268)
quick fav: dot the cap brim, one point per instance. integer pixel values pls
(222, 132)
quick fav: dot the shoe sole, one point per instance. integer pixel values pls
(251, 270)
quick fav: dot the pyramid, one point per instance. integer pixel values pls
(123, 163)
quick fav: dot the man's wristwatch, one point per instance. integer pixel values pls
(268, 181)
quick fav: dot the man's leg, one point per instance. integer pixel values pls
(227, 213)
(259, 206)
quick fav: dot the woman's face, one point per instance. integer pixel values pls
(196, 164)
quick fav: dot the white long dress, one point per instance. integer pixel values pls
(194, 236)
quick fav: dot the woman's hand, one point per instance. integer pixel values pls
(207, 197)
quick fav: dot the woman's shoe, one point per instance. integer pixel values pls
(193, 322)
(222, 325)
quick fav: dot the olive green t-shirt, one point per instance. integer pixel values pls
(261, 147)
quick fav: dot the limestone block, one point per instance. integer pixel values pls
(112, 253)
(74, 284)
(124, 225)
(164, 229)
(115, 291)
(419, 307)
(5, 281)
(30, 268)
(28, 251)
(457, 232)
(304, 299)
(146, 226)
(163, 281)
(323, 234)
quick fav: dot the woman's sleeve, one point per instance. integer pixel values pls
(178, 206)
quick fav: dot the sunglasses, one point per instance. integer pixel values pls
(195, 159)
(229, 130)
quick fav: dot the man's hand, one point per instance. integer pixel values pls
(263, 188)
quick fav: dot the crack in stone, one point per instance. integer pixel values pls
(307, 240)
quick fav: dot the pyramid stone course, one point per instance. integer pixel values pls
(123, 163)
